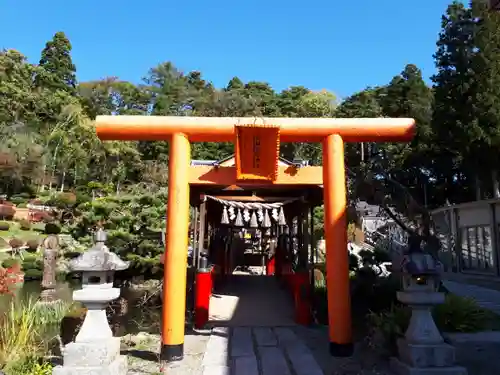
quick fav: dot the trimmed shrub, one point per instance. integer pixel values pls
(16, 243)
(11, 262)
(63, 200)
(17, 200)
(7, 211)
(32, 267)
(32, 274)
(33, 244)
(25, 224)
(4, 226)
(52, 228)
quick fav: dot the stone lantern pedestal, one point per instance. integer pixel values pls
(423, 351)
(95, 350)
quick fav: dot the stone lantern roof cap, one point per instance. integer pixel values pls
(98, 258)
(420, 264)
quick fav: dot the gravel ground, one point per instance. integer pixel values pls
(363, 362)
(142, 353)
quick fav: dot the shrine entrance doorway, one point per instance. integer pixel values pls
(259, 237)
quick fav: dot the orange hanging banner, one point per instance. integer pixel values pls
(257, 152)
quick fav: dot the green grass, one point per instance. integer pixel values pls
(22, 336)
(36, 231)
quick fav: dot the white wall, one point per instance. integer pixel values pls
(473, 249)
(474, 216)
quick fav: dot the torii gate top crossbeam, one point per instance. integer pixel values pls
(222, 129)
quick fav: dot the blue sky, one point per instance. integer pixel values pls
(342, 46)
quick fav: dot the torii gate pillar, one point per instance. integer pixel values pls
(174, 277)
(337, 255)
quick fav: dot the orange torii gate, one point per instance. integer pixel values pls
(257, 142)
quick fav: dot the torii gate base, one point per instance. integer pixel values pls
(255, 169)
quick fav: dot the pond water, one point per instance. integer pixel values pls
(137, 310)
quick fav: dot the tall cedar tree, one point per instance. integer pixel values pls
(59, 72)
(486, 68)
(407, 95)
(454, 124)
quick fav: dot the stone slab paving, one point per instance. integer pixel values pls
(256, 301)
(258, 351)
(486, 298)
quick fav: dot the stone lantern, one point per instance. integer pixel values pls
(423, 350)
(95, 349)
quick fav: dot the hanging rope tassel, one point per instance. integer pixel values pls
(253, 220)
(246, 215)
(232, 216)
(274, 214)
(225, 216)
(239, 219)
(267, 220)
(260, 214)
(281, 217)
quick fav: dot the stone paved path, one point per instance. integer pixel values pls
(254, 350)
(258, 351)
(251, 301)
(486, 298)
(252, 333)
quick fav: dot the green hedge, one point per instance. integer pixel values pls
(33, 268)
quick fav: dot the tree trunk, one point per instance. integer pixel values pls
(63, 177)
(54, 163)
(44, 172)
(477, 187)
(496, 185)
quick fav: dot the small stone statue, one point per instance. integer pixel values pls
(50, 247)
